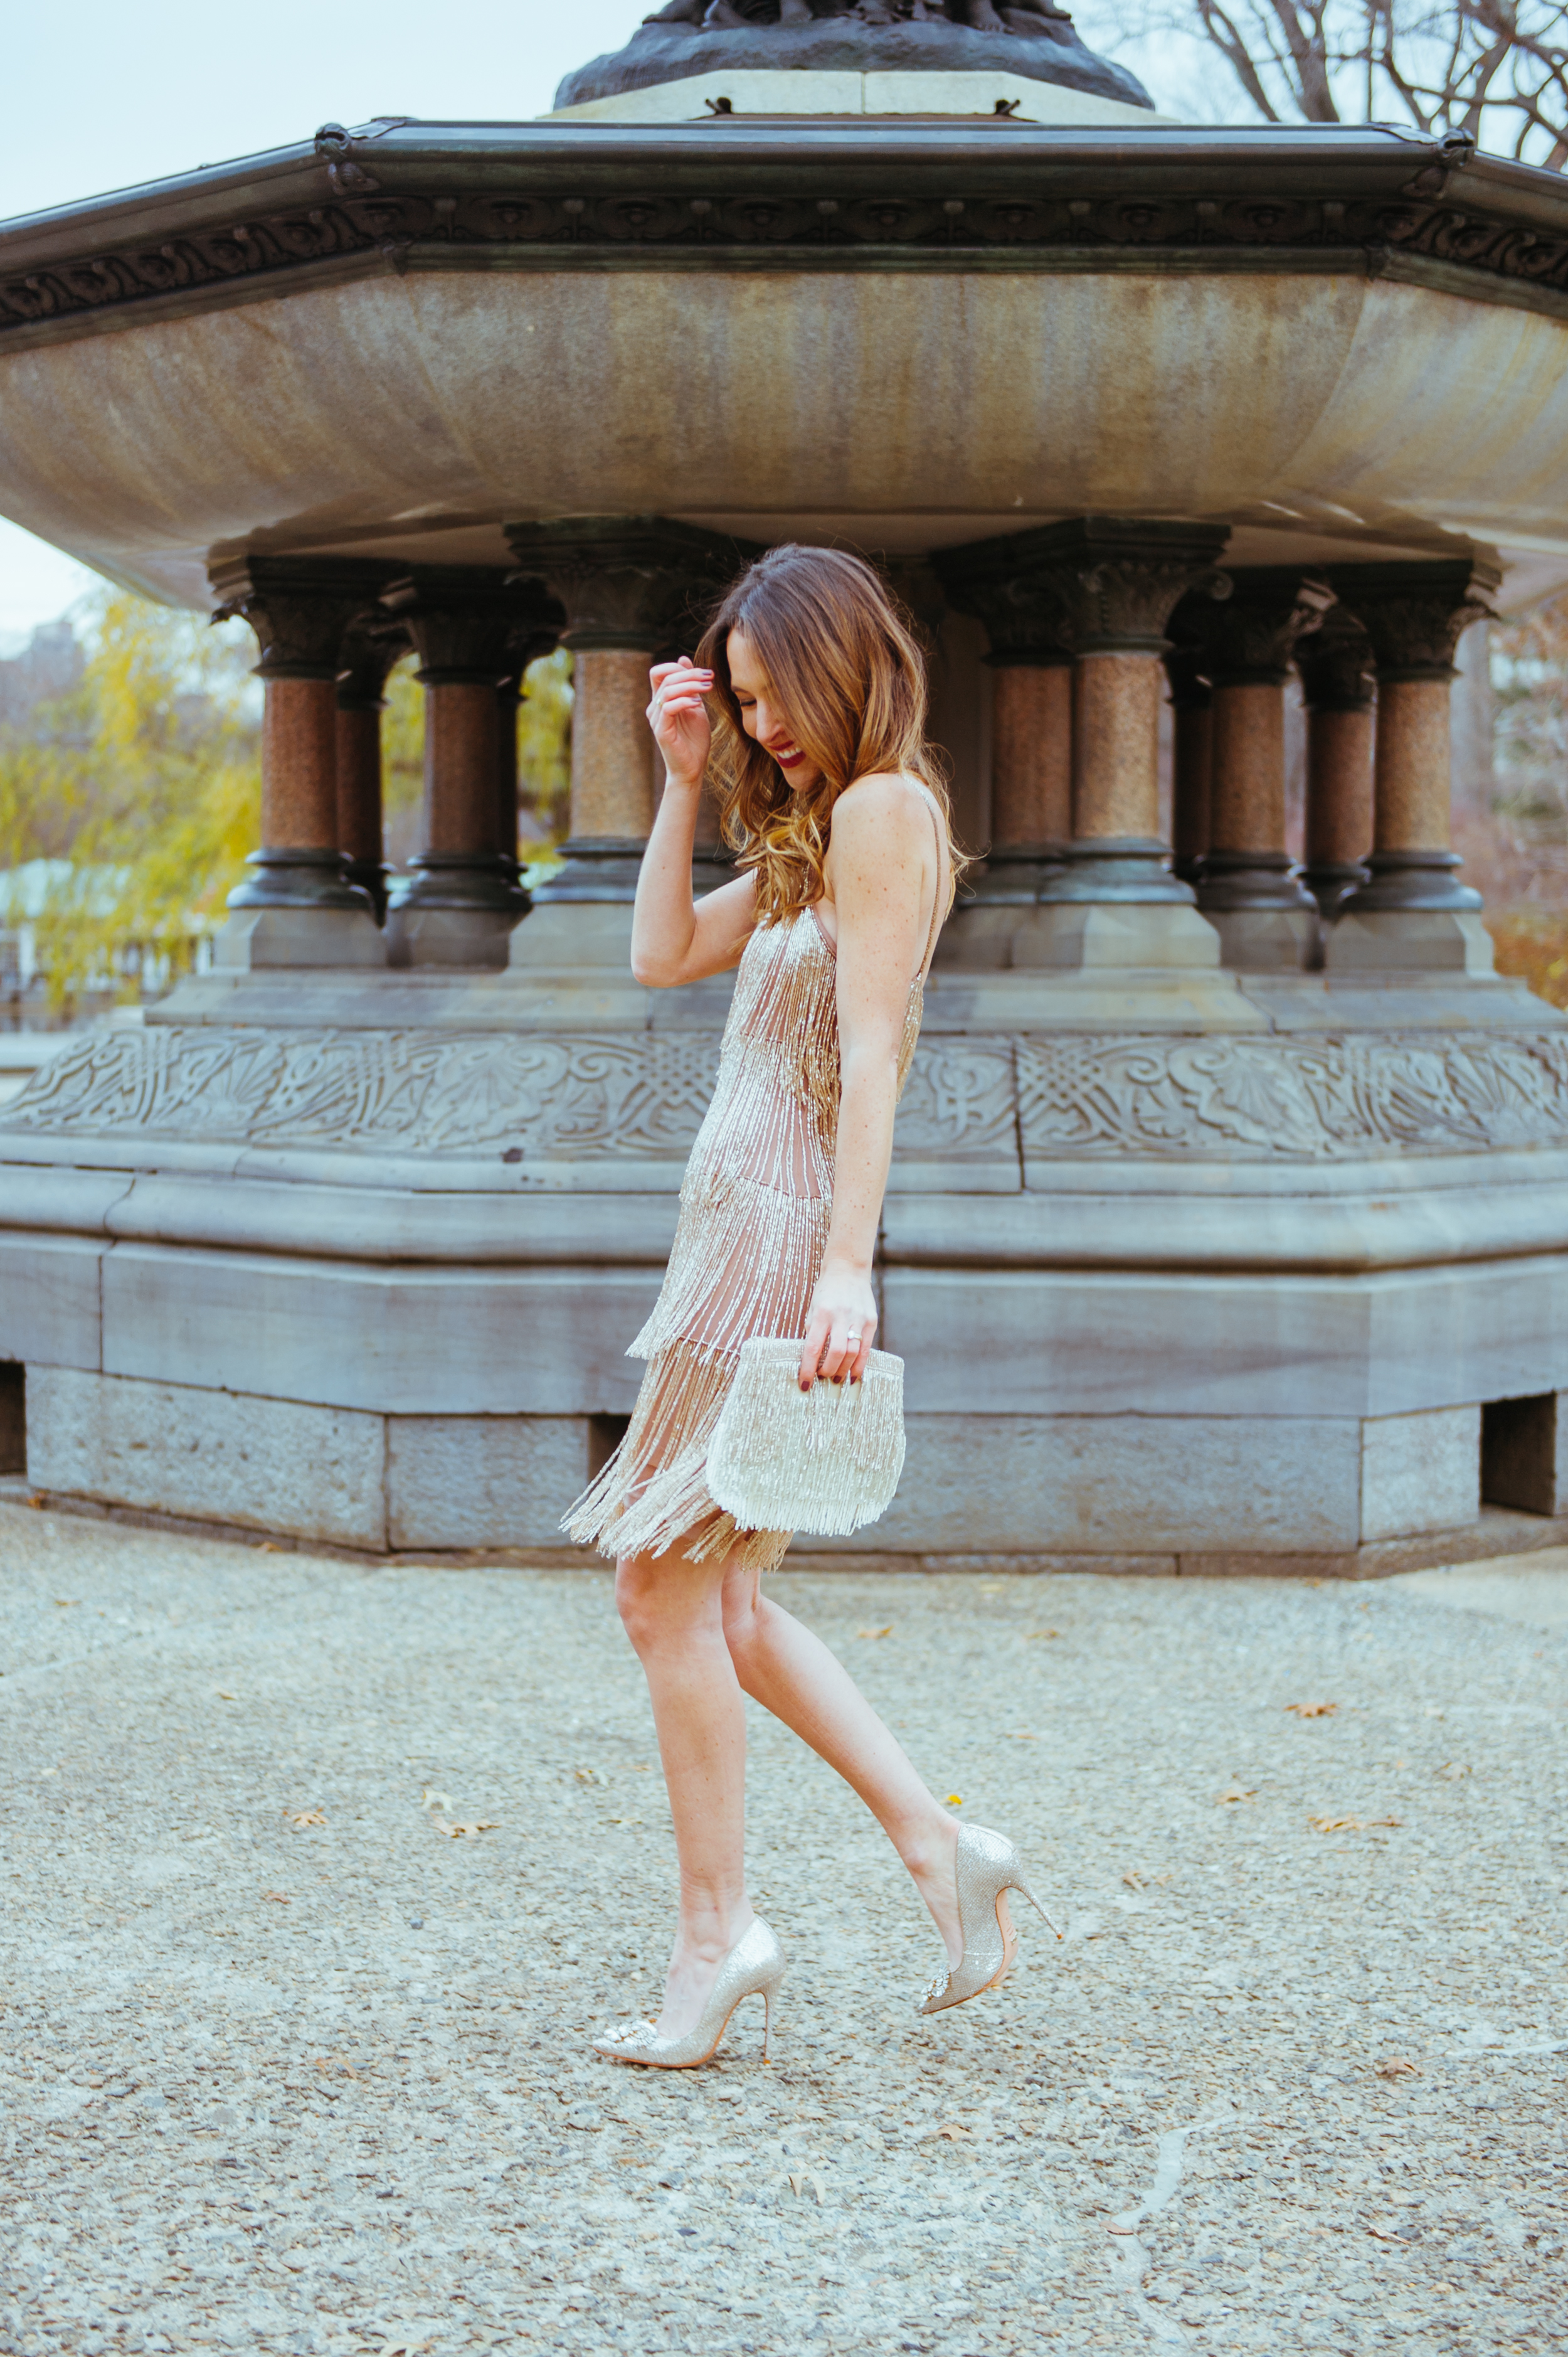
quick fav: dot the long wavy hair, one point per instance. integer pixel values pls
(846, 667)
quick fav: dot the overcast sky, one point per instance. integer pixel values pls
(114, 95)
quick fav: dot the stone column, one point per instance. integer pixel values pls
(1114, 583)
(1412, 912)
(526, 647)
(1031, 744)
(298, 908)
(1336, 667)
(631, 586)
(460, 899)
(1266, 918)
(1192, 706)
(370, 649)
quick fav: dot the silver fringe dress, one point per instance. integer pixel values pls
(755, 1206)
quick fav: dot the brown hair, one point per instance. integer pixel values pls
(842, 659)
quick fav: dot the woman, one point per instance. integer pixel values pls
(848, 864)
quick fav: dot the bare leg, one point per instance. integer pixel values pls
(791, 1673)
(670, 1608)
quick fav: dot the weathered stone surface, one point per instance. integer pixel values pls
(480, 1342)
(221, 1457)
(1124, 1484)
(1421, 1472)
(49, 1300)
(482, 1480)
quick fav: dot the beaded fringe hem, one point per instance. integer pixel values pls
(653, 1494)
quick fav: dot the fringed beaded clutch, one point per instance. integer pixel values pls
(825, 1461)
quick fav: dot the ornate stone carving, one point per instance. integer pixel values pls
(1415, 614)
(626, 581)
(1336, 664)
(1255, 632)
(301, 609)
(641, 1096)
(543, 1098)
(1096, 584)
(466, 225)
(468, 620)
(960, 1104)
(1292, 1099)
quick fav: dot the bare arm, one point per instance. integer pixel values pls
(674, 937)
(882, 871)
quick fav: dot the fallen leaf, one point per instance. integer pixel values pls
(479, 1826)
(1386, 2233)
(304, 1816)
(1336, 1824)
(1396, 2066)
(1233, 1793)
(1121, 2230)
(223, 1695)
(279, 1897)
(1025, 1739)
(1453, 1770)
(1133, 1881)
(335, 2062)
(1313, 1710)
(1042, 1632)
(953, 2130)
(65, 1602)
(37, 1502)
(1387, 1821)
(588, 1776)
(955, 1800)
(435, 1800)
(876, 1632)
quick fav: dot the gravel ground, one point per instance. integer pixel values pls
(321, 1872)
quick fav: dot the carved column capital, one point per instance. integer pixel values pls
(1021, 611)
(466, 622)
(1099, 584)
(1336, 664)
(1415, 614)
(300, 608)
(1255, 631)
(626, 583)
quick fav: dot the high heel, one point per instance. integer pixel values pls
(986, 1868)
(754, 1967)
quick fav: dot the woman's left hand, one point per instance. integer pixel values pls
(841, 1326)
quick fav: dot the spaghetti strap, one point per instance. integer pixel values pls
(938, 910)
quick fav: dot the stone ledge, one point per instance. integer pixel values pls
(1498, 1534)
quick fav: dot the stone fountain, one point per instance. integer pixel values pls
(1229, 1224)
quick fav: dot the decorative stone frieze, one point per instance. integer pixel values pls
(550, 1098)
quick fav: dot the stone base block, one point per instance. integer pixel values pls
(307, 938)
(979, 940)
(475, 939)
(1421, 1472)
(483, 1480)
(558, 936)
(1408, 940)
(1123, 1485)
(1267, 940)
(1121, 936)
(221, 1457)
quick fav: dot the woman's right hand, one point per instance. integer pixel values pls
(679, 718)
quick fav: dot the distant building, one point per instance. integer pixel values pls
(49, 665)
